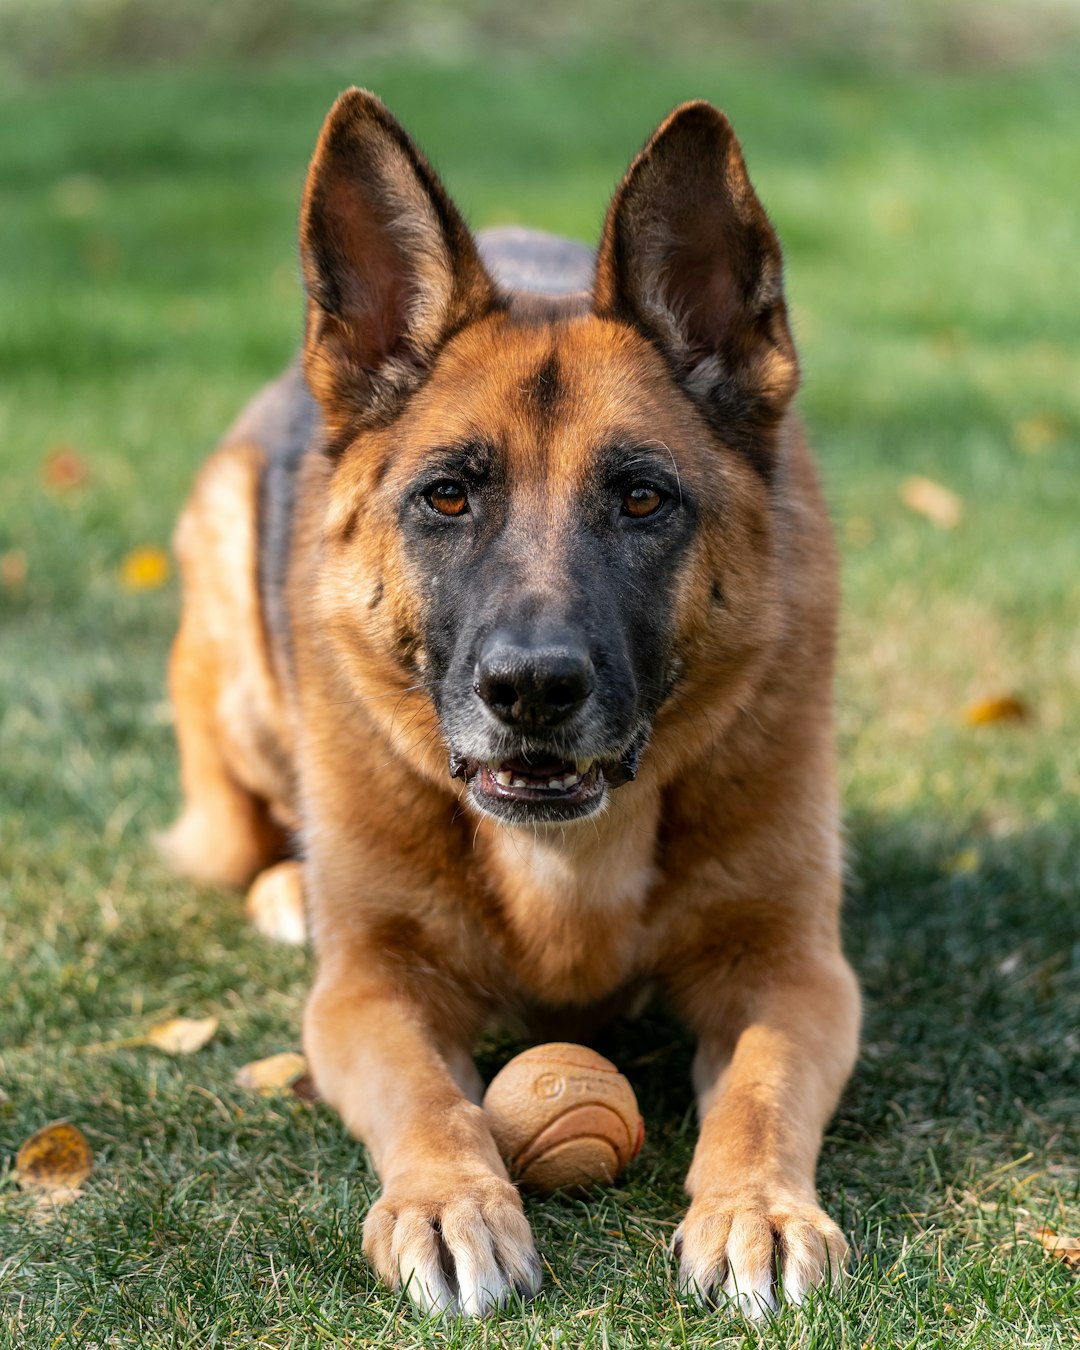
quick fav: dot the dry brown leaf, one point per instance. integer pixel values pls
(1066, 1249)
(276, 1073)
(937, 503)
(144, 569)
(55, 1162)
(63, 469)
(180, 1035)
(997, 708)
(13, 569)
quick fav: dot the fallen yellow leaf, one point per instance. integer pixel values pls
(1066, 1249)
(180, 1035)
(55, 1162)
(276, 1073)
(938, 504)
(144, 569)
(996, 708)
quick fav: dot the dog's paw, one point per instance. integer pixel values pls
(275, 903)
(753, 1253)
(462, 1247)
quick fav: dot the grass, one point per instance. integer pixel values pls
(147, 287)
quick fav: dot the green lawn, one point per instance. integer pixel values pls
(147, 287)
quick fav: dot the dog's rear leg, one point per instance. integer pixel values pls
(230, 728)
(225, 834)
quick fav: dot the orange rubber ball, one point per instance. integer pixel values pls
(563, 1117)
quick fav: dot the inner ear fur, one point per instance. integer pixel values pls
(688, 256)
(389, 265)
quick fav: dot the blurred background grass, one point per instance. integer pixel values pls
(920, 162)
(60, 37)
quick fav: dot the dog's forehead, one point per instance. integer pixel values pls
(548, 394)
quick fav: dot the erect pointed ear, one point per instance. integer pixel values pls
(390, 267)
(688, 255)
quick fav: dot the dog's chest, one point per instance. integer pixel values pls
(575, 916)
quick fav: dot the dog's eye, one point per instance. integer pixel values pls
(642, 500)
(449, 499)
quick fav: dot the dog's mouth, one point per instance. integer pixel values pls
(540, 780)
(541, 787)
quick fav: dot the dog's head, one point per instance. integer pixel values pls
(547, 527)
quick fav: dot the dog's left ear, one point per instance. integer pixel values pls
(688, 255)
(389, 265)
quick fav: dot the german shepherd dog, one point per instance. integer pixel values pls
(505, 664)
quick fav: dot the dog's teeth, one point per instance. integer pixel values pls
(519, 782)
(583, 767)
(503, 778)
(571, 780)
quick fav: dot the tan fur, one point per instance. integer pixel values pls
(231, 724)
(715, 877)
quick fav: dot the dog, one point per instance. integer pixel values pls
(505, 669)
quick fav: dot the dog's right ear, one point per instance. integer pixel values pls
(389, 266)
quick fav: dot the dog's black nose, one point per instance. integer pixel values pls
(533, 684)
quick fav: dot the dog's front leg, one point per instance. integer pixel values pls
(778, 1033)
(449, 1224)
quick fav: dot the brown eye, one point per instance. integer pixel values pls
(449, 499)
(642, 500)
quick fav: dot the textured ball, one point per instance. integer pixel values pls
(563, 1117)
